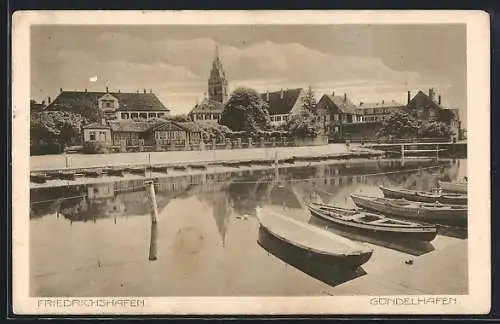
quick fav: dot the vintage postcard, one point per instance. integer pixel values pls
(258, 162)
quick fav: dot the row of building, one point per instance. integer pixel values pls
(124, 116)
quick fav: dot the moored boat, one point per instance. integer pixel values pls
(424, 196)
(460, 187)
(373, 224)
(428, 212)
(314, 242)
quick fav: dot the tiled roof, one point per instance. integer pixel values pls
(383, 104)
(208, 106)
(81, 100)
(346, 106)
(422, 99)
(278, 105)
(130, 126)
(96, 126)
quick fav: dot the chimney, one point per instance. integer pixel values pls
(439, 100)
(409, 97)
(333, 93)
(431, 94)
(119, 91)
(150, 90)
(281, 94)
(361, 103)
(383, 101)
(85, 89)
(267, 95)
(60, 90)
(107, 89)
(144, 90)
(43, 102)
(48, 100)
(345, 97)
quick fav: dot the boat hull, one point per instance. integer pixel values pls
(453, 200)
(458, 216)
(425, 234)
(412, 196)
(453, 187)
(293, 252)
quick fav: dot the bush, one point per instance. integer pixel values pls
(94, 148)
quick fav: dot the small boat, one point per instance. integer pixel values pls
(373, 224)
(314, 242)
(38, 178)
(114, 172)
(159, 168)
(460, 187)
(429, 212)
(137, 170)
(424, 196)
(412, 195)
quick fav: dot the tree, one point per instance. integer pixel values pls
(435, 129)
(400, 125)
(180, 118)
(212, 130)
(245, 111)
(303, 124)
(309, 100)
(61, 127)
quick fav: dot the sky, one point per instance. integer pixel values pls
(367, 62)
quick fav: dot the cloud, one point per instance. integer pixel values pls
(177, 70)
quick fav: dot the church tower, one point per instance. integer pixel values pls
(217, 83)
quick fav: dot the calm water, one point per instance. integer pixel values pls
(94, 240)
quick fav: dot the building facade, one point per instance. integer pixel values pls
(429, 108)
(218, 92)
(283, 104)
(334, 112)
(378, 111)
(111, 105)
(136, 133)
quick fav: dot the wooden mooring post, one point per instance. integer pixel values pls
(276, 167)
(150, 189)
(153, 245)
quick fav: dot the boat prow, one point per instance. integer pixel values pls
(314, 241)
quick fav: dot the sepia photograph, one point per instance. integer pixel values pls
(253, 163)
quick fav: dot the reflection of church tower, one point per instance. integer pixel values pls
(221, 216)
(217, 83)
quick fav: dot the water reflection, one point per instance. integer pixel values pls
(327, 272)
(415, 248)
(207, 234)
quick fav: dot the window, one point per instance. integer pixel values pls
(278, 118)
(285, 118)
(336, 117)
(108, 104)
(92, 136)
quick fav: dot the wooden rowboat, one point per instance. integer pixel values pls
(314, 242)
(424, 196)
(428, 212)
(453, 186)
(373, 224)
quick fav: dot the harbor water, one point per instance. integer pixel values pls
(96, 239)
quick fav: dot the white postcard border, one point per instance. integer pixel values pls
(478, 117)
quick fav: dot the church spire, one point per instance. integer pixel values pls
(217, 83)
